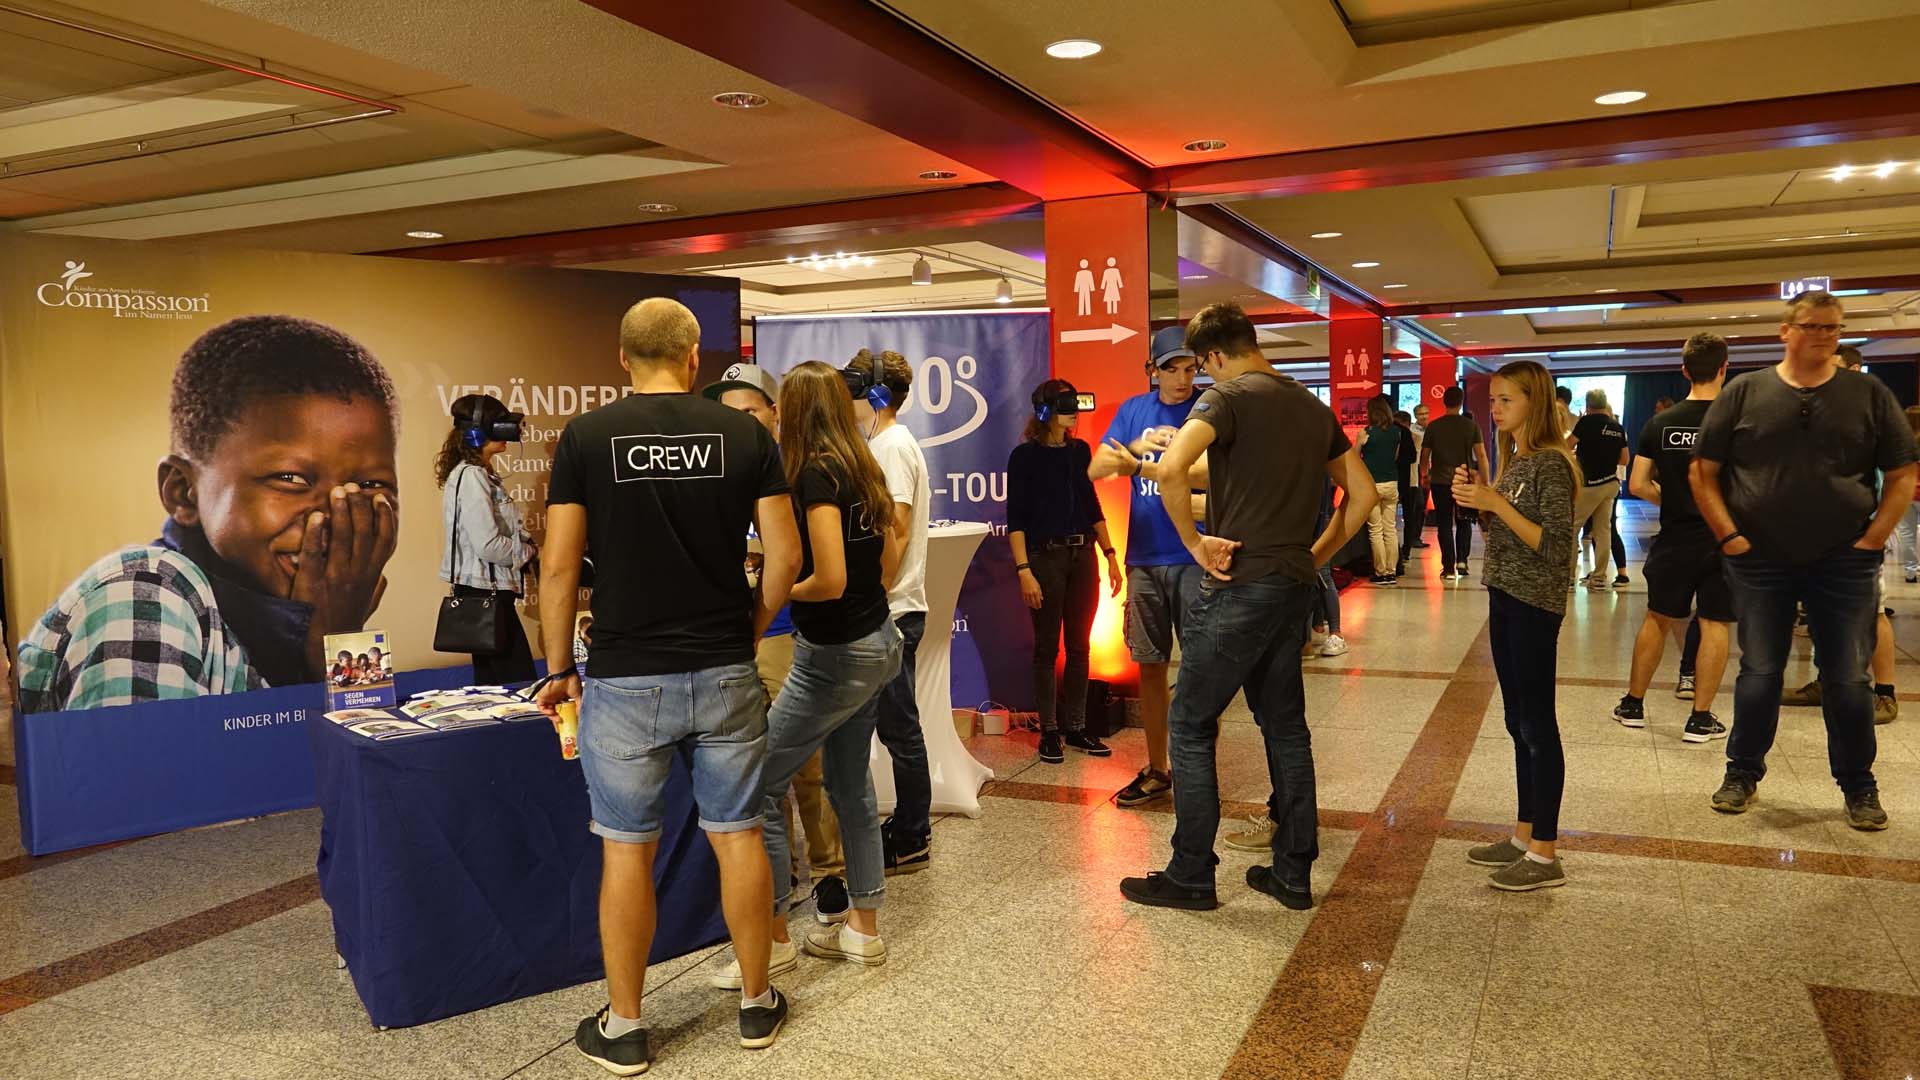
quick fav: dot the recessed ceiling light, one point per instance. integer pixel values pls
(1885, 169)
(1193, 277)
(1471, 341)
(1073, 49)
(1327, 235)
(739, 99)
(425, 234)
(1365, 265)
(1840, 172)
(1395, 285)
(1620, 97)
(1606, 290)
(938, 174)
(656, 208)
(1205, 146)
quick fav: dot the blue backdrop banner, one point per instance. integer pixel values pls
(973, 377)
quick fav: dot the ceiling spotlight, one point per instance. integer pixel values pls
(656, 208)
(1885, 170)
(1606, 290)
(1205, 146)
(1326, 235)
(739, 99)
(1193, 277)
(1073, 49)
(922, 271)
(1395, 285)
(1003, 292)
(938, 174)
(1840, 172)
(1620, 97)
(425, 234)
(1365, 265)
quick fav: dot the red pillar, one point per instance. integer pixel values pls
(1097, 285)
(1354, 361)
(1438, 370)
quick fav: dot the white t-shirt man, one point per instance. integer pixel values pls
(906, 471)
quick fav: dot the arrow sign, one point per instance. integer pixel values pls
(1113, 334)
(1357, 385)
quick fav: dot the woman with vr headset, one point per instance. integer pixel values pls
(1054, 523)
(488, 548)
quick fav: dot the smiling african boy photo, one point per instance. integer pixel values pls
(280, 494)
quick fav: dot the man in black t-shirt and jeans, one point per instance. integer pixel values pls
(1270, 446)
(1683, 563)
(1600, 444)
(1783, 472)
(662, 486)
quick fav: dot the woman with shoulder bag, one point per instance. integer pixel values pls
(488, 548)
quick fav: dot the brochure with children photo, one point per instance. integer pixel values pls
(359, 671)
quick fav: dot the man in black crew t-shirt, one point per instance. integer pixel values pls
(1683, 564)
(662, 486)
(1783, 473)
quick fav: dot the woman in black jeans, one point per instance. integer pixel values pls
(488, 549)
(1054, 523)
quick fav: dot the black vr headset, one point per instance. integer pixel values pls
(1065, 401)
(476, 431)
(862, 384)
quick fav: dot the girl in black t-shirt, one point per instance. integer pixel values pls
(1053, 524)
(846, 650)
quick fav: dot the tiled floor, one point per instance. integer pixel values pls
(1778, 944)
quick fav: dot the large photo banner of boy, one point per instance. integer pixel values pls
(973, 377)
(214, 459)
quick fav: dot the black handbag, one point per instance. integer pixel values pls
(470, 624)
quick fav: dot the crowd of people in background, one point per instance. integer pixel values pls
(773, 669)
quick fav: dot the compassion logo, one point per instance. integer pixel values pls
(68, 292)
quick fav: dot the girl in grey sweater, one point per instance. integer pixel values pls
(1529, 522)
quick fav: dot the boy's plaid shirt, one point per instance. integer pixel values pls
(139, 625)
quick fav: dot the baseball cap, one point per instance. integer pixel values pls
(745, 377)
(1169, 344)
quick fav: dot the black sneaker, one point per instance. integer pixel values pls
(1864, 813)
(1087, 744)
(1620, 579)
(760, 1024)
(830, 901)
(1735, 796)
(624, 1056)
(1262, 880)
(1159, 890)
(1631, 712)
(1051, 750)
(1703, 727)
(1149, 785)
(906, 856)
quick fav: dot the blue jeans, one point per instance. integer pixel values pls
(1525, 641)
(1243, 635)
(830, 703)
(1326, 608)
(631, 728)
(899, 731)
(1838, 593)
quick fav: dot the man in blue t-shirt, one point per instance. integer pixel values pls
(1161, 576)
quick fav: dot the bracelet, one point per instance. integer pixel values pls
(1017, 567)
(1139, 464)
(1728, 539)
(566, 672)
(1108, 551)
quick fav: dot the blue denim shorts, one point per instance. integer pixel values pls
(631, 728)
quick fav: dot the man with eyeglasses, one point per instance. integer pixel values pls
(1783, 472)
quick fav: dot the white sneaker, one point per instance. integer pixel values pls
(785, 958)
(838, 943)
(1333, 646)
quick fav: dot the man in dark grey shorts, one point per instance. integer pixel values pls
(1161, 577)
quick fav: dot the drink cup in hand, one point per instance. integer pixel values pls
(567, 726)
